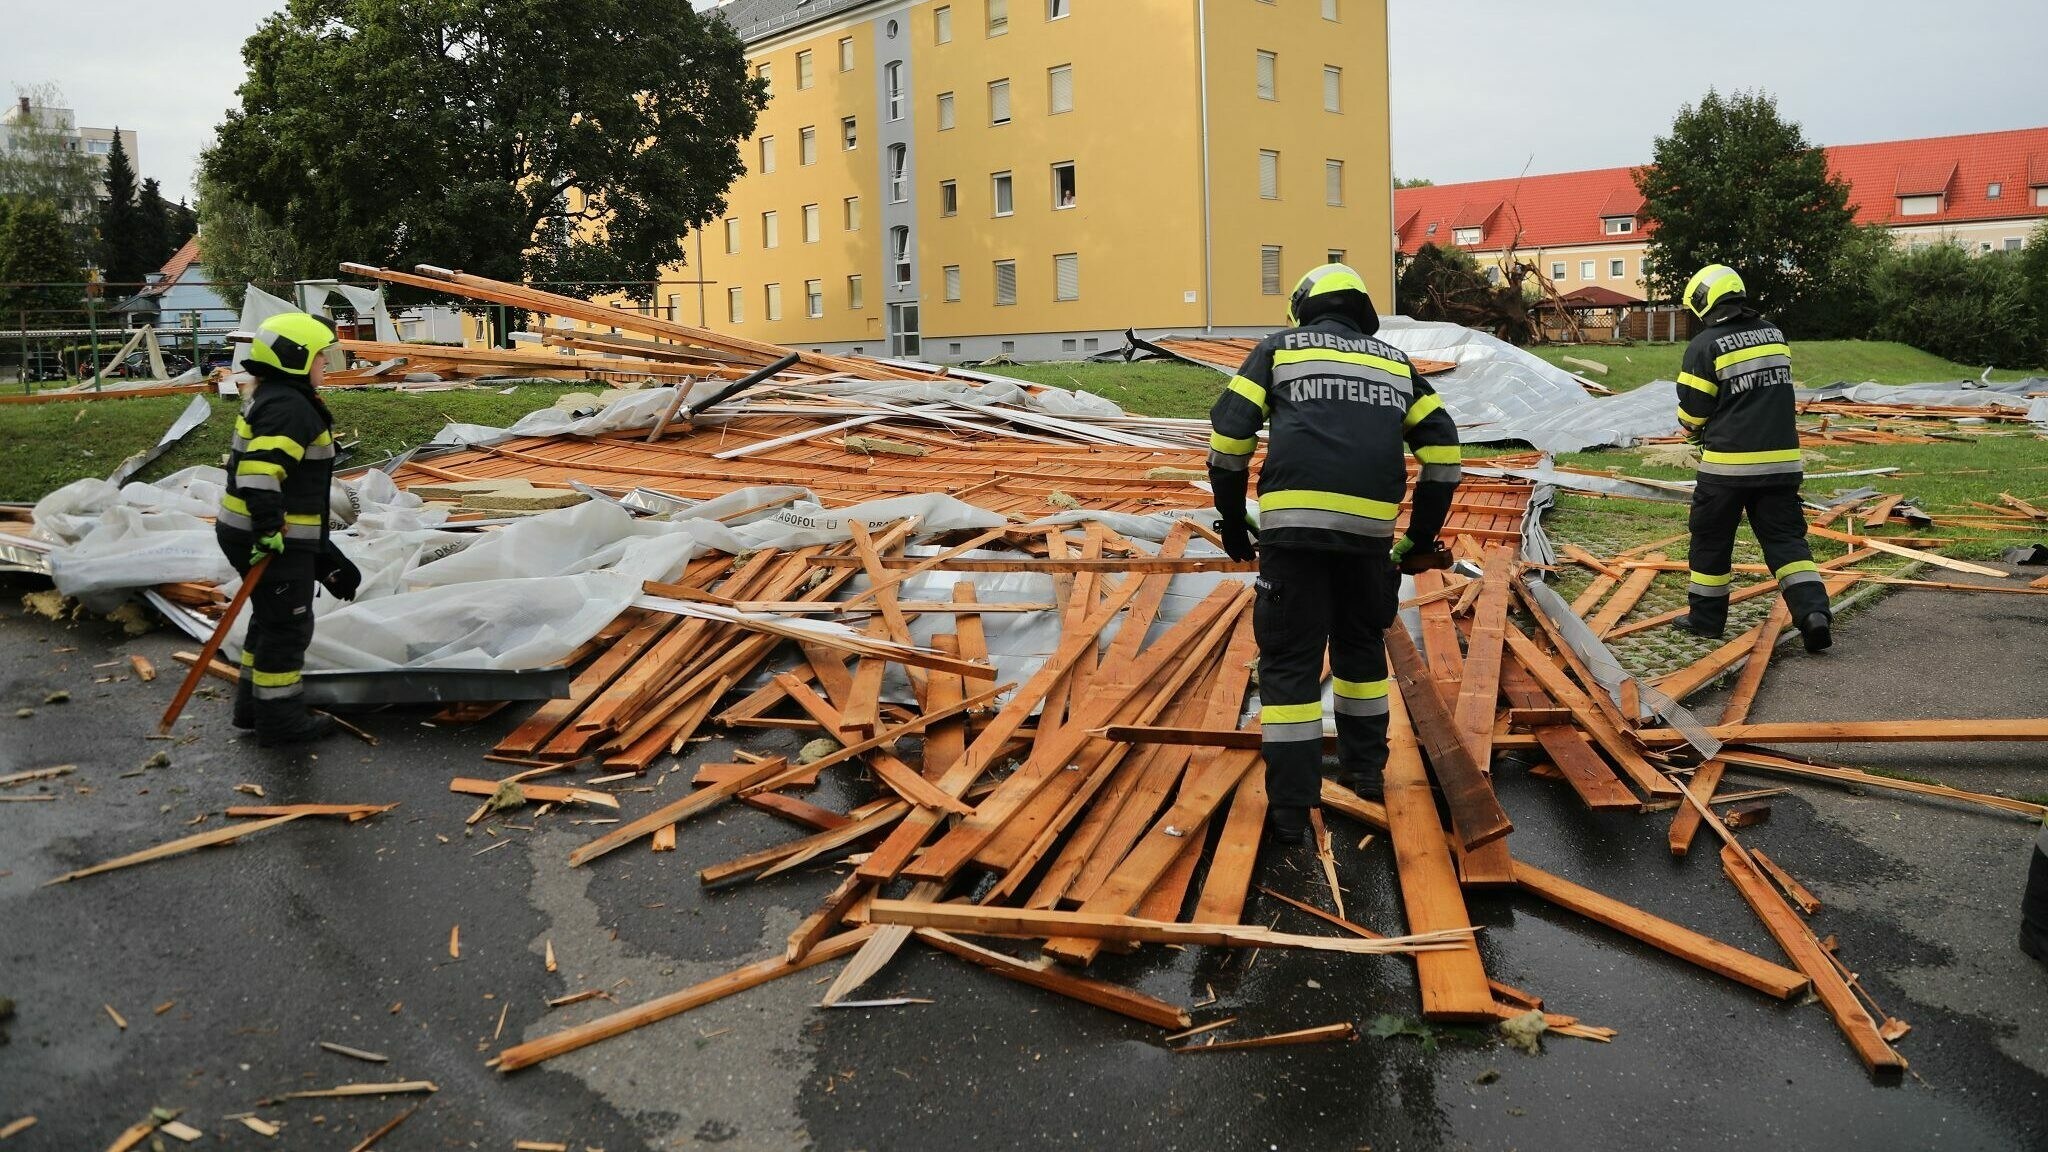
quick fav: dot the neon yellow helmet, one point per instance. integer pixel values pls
(289, 341)
(1322, 281)
(1711, 285)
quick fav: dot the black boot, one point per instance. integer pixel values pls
(1366, 782)
(1289, 825)
(1817, 629)
(2034, 905)
(1698, 626)
(244, 716)
(289, 721)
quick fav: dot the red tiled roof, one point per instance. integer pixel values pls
(1597, 296)
(1565, 209)
(175, 267)
(1475, 213)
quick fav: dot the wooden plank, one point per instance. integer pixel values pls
(1798, 941)
(782, 857)
(881, 739)
(1625, 598)
(1883, 545)
(675, 812)
(1685, 823)
(900, 778)
(1850, 777)
(813, 929)
(1762, 588)
(1568, 748)
(1863, 732)
(1028, 923)
(1143, 565)
(1112, 997)
(1580, 556)
(1323, 1034)
(1476, 813)
(947, 742)
(1443, 660)
(1453, 983)
(549, 718)
(1793, 889)
(1230, 867)
(182, 845)
(1597, 725)
(1480, 689)
(1593, 594)
(896, 627)
(1677, 940)
(541, 793)
(661, 1008)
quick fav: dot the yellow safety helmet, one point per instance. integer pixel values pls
(1711, 285)
(289, 341)
(1323, 281)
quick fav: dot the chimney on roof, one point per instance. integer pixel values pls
(23, 102)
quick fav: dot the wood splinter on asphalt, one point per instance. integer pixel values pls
(1344, 1030)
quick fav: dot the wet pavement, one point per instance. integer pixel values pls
(321, 930)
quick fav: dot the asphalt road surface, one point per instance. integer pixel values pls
(230, 966)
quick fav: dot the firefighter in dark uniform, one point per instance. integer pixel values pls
(1735, 401)
(279, 467)
(1344, 410)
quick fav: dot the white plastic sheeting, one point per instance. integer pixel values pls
(1974, 394)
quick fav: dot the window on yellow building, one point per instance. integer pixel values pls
(814, 298)
(811, 222)
(945, 111)
(999, 101)
(1269, 174)
(1064, 189)
(852, 206)
(1333, 88)
(735, 305)
(849, 133)
(1329, 9)
(1006, 282)
(1586, 270)
(1467, 237)
(1066, 276)
(1269, 270)
(732, 235)
(1059, 84)
(803, 70)
(1333, 183)
(1002, 193)
(856, 293)
(766, 73)
(1557, 270)
(998, 17)
(899, 172)
(773, 294)
(675, 306)
(846, 53)
(1057, 9)
(1620, 225)
(949, 198)
(1269, 76)
(807, 146)
(771, 230)
(942, 25)
(767, 154)
(1334, 256)
(1617, 269)
(951, 275)
(893, 88)
(899, 250)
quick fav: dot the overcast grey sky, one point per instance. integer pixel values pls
(1481, 87)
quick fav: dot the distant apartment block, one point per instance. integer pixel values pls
(97, 142)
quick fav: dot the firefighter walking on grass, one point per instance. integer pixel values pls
(279, 467)
(1735, 401)
(1344, 409)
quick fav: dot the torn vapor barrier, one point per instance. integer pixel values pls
(193, 416)
(1600, 661)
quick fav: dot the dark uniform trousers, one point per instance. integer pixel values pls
(1309, 601)
(2034, 905)
(1780, 526)
(280, 615)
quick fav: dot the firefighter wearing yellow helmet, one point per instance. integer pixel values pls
(280, 464)
(1343, 411)
(1735, 401)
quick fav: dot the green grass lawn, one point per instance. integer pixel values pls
(1153, 387)
(1814, 362)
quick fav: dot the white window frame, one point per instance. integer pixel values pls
(1994, 190)
(806, 75)
(942, 24)
(950, 284)
(899, 252)
(1619, 225)
(1468, 237)
(2014, 243)
(1269, 174)
(1002, 185)
(1266, 76)
(1617, 269)
(998, 17)
(765, 72)
(856, 292)
(1333, 183)
(1270, 269)
(1000, 266)
(1072, 262)
(771, 230)
(814, 299)
(1000, 90)
(899, 173)
(732, 235)
(1052, 88)
(949, 198)
(807, 146)
(1058, 9)
(846, 53)
(948, 112)
(849, 133)
(1920, 205)
(1333, 89)
(2041, 196)
(1330, 10)
(892, 88)
(1073, 179)
(771, 302)
(767, 164)
(849, 213)
(1334, 256)
(1558, 269)
(735, 305)
(813, 223)
(1589, 270)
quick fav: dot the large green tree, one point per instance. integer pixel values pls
(1735, 183)
(124, 246)
(41, 163)
(38, 246)
(541, 139)
(1970, 309)
(241, 244)
(158, 225)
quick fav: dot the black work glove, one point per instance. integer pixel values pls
(1237, 540)
(337, 573)
(1412, 558)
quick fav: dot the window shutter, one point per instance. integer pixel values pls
(952, 282)
(1062, 86)
(735, 305)
(846, 54)
(1006, 281)
(945, 111)
(999, 102)
(774, 301)
(1269, 270)
(810, 223)
(771, 231)
(767, 154)
(807, 146)
(1269, 175)
(1329, 9)
(1268, 85)
(803, 70)
(1333, 179)
(1066, 277)
(856, 292)
(853, 213)
(942, 25)
(1333, 89)
(732, 234)
(998, 17)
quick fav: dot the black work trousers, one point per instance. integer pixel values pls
(280, 616)
(1780, 526)
(1310, 602)
(2034, 905)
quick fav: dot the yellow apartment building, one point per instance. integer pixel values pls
(950, 180)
